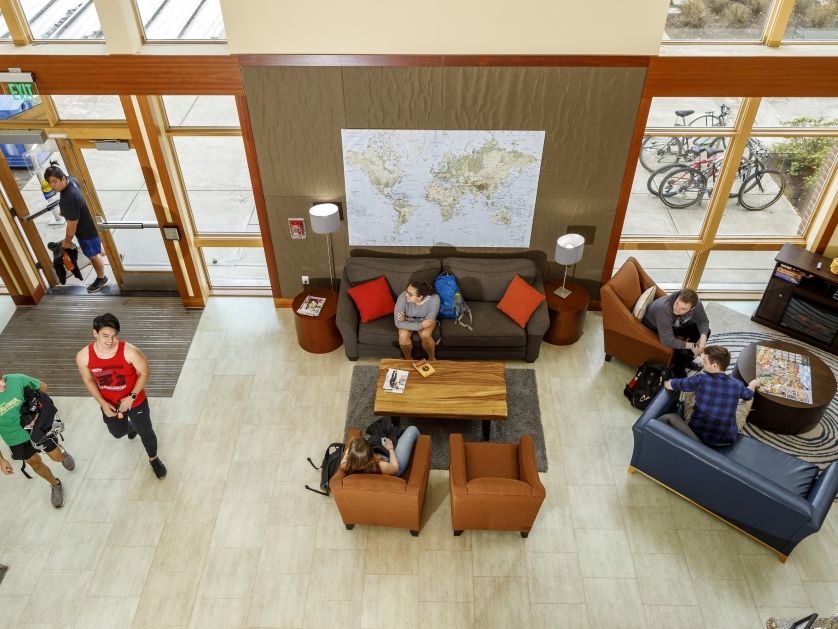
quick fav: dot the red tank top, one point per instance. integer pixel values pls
(114, 376)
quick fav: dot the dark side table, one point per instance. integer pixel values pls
(567, 316)
(318, 335)
(778, 414)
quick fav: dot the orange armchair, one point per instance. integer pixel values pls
(494, 486)
(626, 337)
(381, 500)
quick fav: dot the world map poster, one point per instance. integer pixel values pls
(422, 188)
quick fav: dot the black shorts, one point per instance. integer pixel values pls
(25, 450)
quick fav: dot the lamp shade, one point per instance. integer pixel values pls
(569, 249)
(325, 218)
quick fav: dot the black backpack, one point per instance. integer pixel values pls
(646, 383)
(39, 417)
(328, 467)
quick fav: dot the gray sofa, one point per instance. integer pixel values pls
(768, 494)
(482, 281)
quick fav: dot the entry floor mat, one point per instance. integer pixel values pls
(42, 341)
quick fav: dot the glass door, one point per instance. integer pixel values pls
(118, 197)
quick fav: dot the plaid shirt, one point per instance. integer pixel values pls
(716, 398)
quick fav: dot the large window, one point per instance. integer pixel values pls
(742, 20)
(88, 107)
(169, 20)
(708, 180)
(62, 19)
(751, 21)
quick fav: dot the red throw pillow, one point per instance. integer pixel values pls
(520, 301)
(373, 299)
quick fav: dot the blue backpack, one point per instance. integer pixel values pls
(451, 303)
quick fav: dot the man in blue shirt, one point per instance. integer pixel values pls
(715, 414)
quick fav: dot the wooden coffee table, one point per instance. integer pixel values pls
(459, 389)
(778, 414)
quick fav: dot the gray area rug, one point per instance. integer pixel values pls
(42, 341)
(522, 402)
(735, 332)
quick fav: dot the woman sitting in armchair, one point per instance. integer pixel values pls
(360, 458)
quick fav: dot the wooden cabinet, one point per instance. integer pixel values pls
(801, 298)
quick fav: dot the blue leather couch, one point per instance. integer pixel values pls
(768, 494)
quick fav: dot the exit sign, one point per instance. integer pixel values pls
(20, 91)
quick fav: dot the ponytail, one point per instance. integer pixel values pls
(54, 170)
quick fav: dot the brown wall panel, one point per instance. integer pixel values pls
(393, 98)
(297, 115)
(494, 98)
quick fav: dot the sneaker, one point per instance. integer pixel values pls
(68, 462)
(97, 284)
(158, 467)
(57, 496)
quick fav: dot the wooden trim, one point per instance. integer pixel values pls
(30, 230)
(719, 197)
(632, 470)
(283, 302)
(721, 244)
(258, 193)
(240, 292)
(16, 22)
(632, 160)
(228, 241)
(131, 74)
(29, 300)
(189, 274)
(742, 76)
(452, 61)
(778, 20)
(202, 131)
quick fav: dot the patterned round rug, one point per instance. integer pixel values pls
(819, 445)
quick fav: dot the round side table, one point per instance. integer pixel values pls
(567, 316)
(318, 335)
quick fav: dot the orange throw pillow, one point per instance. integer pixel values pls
(373, 299)
(520, 301)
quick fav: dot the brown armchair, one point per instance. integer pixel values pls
(494, 486)
(626, 337)
(381, 500)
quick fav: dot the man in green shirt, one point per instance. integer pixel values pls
(11, 399)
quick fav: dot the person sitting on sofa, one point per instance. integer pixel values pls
(416, 310)
(713, 414)
(360, 459)
(681, 323)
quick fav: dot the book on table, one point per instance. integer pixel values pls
(424, 368)
(311, 306)
(395, 380)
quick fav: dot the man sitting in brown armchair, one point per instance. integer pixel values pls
(681, 323)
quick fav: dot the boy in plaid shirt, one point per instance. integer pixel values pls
(712, 412)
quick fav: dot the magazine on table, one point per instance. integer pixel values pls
(395, 380)
(311, 306)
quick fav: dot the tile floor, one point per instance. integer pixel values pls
(231, 539)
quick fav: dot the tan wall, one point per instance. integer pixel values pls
(297, 114)
(444, 27)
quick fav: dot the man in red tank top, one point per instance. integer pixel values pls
(115, 373)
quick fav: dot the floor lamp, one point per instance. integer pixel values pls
(568, 251)
(325, 219)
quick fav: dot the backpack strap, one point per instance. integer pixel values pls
(466, 311)
(23, 469)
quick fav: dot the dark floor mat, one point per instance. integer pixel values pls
(42, 341)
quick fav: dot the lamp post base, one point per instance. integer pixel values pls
(561, 291)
